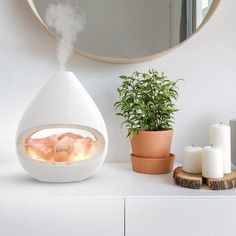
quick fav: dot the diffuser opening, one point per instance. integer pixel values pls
(60, 145)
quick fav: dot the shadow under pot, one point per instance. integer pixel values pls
(151, 152)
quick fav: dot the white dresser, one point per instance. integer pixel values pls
(114, 202)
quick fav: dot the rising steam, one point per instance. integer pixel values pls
(68, 22)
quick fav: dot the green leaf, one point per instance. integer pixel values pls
(146, 101)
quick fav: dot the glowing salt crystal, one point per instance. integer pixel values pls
(63, 149)
(82, 147)
(42, 148)
(60, 147)
(55, 137)
(70, 135)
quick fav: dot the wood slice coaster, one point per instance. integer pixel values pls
(227, 182)
(196, 181)
(187, 180)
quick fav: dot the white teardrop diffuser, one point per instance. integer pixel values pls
(62, 136)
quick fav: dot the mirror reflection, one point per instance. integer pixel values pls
(128, 29)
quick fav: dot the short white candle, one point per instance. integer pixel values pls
(212, 162)
(192, 162)
(220, 137)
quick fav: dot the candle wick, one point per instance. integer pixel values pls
(221, 123)
(211, 145)
(193, 145)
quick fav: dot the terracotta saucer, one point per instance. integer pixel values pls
(151, 165)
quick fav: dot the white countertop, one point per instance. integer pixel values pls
(112, 180)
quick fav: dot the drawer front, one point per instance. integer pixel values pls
(69, 217)
(180, 217)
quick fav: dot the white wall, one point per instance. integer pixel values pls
(207, 63)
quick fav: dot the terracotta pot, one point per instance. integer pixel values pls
(153, 166)
(152, 144)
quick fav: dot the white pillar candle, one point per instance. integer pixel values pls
(212, 162)
(220, 137)
(192, 162)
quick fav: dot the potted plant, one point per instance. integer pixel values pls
(146, 102)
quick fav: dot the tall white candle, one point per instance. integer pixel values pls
(192, 162)
(212, 162)
(220, 137)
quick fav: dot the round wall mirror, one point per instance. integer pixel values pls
(128, 31)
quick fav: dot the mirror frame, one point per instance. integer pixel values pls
(214, 6)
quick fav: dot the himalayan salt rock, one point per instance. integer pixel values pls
(82, 147)
(60, 147)
(40, 148)
(70, 135)
(55, 137)
(63, 149)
